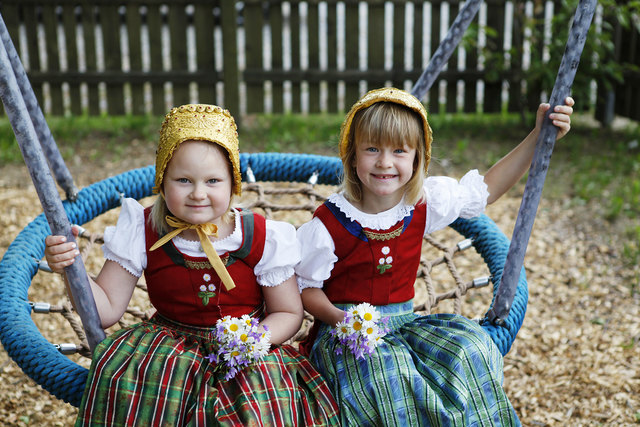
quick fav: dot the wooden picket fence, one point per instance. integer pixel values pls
(144, 56)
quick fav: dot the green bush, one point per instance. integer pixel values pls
(597, 63)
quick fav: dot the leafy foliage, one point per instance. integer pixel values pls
(547, 45)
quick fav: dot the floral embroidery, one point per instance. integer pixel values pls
(206, 291)
(384, 263)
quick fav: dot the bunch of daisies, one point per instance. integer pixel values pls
(361, 329)
(239, 343)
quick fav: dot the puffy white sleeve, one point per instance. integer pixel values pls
(281, 254)
(125, 243)
(448, 199)
(317, 253)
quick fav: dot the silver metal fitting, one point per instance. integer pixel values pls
(465, 244)
(40, 307)
(67, 348)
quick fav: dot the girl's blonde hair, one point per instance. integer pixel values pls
(387, 123)
(159, 210)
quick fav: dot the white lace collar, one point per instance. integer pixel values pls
(379, 221)
(222, 244)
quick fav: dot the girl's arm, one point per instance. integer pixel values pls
(317, 253)
(284, 310)
(112, 289)
(315, 301)
(508, 170)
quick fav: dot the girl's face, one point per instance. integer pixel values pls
(383, 170)
(197, 183)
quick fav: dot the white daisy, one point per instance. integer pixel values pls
(233, 325)
(343, 329)
(247, 321)
(367, 312)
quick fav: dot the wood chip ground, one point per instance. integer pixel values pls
(575, 362)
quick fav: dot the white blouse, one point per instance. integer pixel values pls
(125, 244)
(447, 199)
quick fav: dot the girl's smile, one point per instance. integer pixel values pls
(383, 171)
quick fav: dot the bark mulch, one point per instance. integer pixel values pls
(575, 362)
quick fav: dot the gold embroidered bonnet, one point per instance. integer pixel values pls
(396, 96)
(198, 122)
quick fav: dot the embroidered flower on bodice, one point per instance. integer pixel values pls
(207, 290)
(384, 263)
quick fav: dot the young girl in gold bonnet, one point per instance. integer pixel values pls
(361, 252)
(205, 263)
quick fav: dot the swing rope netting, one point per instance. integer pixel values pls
(265, 177)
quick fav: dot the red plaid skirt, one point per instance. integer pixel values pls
(155, 374)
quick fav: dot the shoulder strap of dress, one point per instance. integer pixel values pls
(253, 238)
(330, 215)
(346, 234)
(152, 236)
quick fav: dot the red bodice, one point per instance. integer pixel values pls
(378, 267)
(188, 290)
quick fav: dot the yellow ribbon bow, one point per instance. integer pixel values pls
(204, 231)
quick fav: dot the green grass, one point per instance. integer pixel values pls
(605, 165)
(291, 133)
(111, 134)
(590, 165)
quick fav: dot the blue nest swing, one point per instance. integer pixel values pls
(55, 372)
(65, 379)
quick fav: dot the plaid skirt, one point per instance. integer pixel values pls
(440, 370)
(155, 374)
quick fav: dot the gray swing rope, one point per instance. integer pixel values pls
(27, 138)
(540, 164)
(446, 48)
(48, 144)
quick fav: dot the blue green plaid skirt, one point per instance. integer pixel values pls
(155, 374)
(440, 370)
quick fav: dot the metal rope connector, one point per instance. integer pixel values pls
(480, 282)
(43, 265)
(81, 230)
(67, 348)
(250, 176)
(313, 179)
(494, 319)
(465, 244)
(40, 307)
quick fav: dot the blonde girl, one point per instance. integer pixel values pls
(203, 261)
(363, 246)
